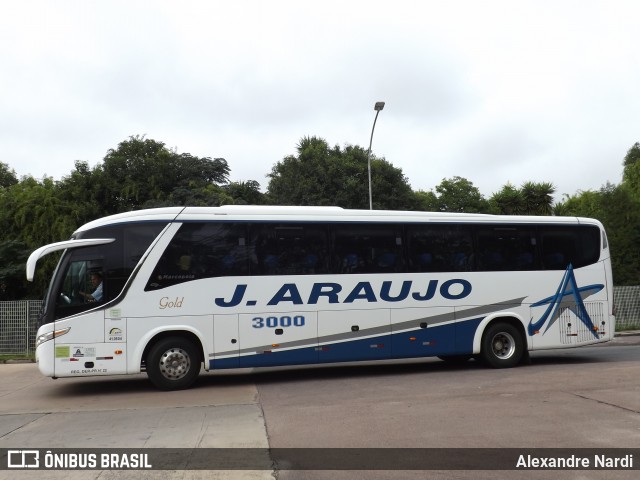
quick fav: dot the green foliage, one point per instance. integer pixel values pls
(14, 255)
(427, 201)
(508, 201)
(144, 173)
(631, 172)
(455, 194)
(532, 199)
(7, 176)
(619, 211)
(460, 195)
(321, 175)
(139, 173)
(33, 214)
(244, 193)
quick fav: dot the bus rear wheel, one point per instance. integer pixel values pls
(502, 345)
(173, 363)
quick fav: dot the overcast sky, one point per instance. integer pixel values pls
(492, 91)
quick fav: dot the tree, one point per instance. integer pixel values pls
(80, 191)
(619, 212)
(245, 193)
(320, 175)
(33, 214)
(143, 172)
(139, 173)
(508, 201)
(14, 256)
(531, 199)
(427, 201)
(455, 194)
(631, 171)
(538, 198)
(7, 176)
(582, 204)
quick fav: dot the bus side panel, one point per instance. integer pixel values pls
(277, 338)
(226, 347)
(91, 347)
(352, 335)
(465, 333)
(423, 332)
(573, 326)
(575, 314)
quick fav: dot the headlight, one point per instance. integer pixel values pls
(45, 337)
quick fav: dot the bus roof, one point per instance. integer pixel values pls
(296, 213)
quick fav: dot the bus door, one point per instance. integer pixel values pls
(277, 338)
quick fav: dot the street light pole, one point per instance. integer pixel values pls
(377, 107)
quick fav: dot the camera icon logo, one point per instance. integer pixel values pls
(23, 459)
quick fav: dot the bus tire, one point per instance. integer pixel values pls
(173, 363)
(502, 345)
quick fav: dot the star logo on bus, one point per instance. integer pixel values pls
(568, 296)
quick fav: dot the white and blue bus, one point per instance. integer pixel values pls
(170, 290)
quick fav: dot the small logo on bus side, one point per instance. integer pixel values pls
(165, 302)
(115, 335)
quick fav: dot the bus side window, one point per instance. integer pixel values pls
(202, 250)
(506, 248)
(289, 248)
(367, 248)
(440, 248)
(578, 246)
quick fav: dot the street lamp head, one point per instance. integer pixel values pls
(378, 106)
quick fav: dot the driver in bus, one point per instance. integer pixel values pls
(96, 295)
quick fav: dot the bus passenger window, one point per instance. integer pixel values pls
(367, 248)
(576, 245)
(289, 248)
(440, 248)
(506, 248)
(202, 250)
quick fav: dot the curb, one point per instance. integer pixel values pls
(627, 333)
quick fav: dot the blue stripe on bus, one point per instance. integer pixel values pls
(450, 339)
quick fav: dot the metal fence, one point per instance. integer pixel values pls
(627, 303)
(19, 320)
(18, 326)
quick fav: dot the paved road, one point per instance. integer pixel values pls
(579, 398)
(115, 412)
(588, 397)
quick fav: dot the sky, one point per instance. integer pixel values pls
(492, 91)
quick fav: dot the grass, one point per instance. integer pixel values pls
(624, 328)
(18, 356)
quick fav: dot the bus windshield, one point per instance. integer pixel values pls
(88, 277)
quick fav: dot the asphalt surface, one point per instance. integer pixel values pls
(578, 398)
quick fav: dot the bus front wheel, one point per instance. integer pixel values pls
(173, 363)
(502, 345)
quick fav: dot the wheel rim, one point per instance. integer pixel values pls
(174, 364)
(503, 345)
